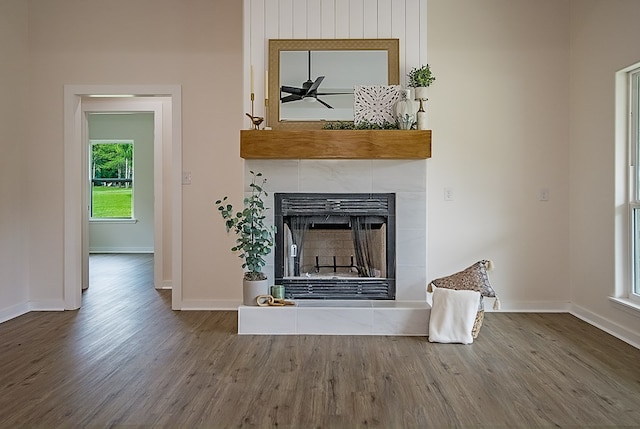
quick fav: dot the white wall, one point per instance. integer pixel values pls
(523, 100)
(125, 236)
(14, 221)
(195, 44)
(603, 41)
(499, 110)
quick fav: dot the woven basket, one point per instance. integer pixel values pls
(477, 324)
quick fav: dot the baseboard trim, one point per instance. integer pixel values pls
(14, 311)
(210, 305)
(606, 325)
(507, 306)
(121, 250)
(166, 285)
(23, 308)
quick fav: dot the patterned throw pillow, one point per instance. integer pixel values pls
(473, 278)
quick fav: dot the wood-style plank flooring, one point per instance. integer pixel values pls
(125, 359)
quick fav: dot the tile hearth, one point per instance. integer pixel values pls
(329, 317)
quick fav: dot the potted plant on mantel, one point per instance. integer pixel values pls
(254, 238)
(420, 78)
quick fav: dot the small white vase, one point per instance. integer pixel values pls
(404, 110)
(252, 288)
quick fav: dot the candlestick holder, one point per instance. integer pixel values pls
(255, 120)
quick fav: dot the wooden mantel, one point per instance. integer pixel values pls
(335, 144)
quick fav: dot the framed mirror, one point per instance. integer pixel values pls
(311, 81)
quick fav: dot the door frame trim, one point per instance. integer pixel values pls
(74, 161)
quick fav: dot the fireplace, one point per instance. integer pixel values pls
(335, 246)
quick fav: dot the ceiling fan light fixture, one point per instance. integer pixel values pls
(310, 99)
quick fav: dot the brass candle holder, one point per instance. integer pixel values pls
(255, 120)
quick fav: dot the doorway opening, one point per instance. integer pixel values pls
(164, 102)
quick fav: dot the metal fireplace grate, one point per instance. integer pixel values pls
(337, 289)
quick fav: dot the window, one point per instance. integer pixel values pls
(634, 186)
(111, 172)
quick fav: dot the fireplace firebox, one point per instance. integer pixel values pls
(335, 246)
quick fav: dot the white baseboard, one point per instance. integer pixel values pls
(507, 306)
(211, 305)
(166, 284)
(14, 311)
(25, 307)
(620, 332)
(121, 249)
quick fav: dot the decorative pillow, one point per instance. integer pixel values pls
(453, 316)
(473, 278)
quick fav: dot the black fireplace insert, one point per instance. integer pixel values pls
(335, 246)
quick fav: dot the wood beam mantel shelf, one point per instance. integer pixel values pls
(335, 144)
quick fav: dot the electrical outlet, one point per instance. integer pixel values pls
(543, 194)
(448, 194)
(186, 177)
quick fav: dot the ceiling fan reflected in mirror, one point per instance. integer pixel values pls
(308, 91)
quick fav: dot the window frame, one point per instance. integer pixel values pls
(633, 292)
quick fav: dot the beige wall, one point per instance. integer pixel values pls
(13, 140)
(523, 100)
(603, 41)
(499, 110)
(197, 44)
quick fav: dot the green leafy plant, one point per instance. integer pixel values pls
(363, 125)
(421, 76)
(255, 239)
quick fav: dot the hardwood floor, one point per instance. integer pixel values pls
(126, 359)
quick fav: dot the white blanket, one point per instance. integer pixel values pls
(453, 313)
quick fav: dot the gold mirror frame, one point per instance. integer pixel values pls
(392, 46)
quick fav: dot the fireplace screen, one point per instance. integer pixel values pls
(335, 246)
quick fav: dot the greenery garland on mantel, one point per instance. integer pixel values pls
(364, 125)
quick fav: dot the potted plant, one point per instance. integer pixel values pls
(254, 238)
(420, 78)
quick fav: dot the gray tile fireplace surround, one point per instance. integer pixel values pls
(409, 313)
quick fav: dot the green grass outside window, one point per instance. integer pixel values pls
(110, 202)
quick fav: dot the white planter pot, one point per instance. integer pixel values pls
(420, 93)
(251, 289)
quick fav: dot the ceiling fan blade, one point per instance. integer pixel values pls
(292, 90)
(315, 85)
(334, 93)
(324, 104)
(289, 98)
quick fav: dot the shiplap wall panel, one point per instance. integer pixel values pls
(384, 19)
(314, 20)
(356, 19)
(398, 13)
(370, 19)
(258, 58)
(300, 17)
(423, 33)
(342, 19)
(405, 20)
(327, 19)
(285, 16)
(271, 25)
(412, 35)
